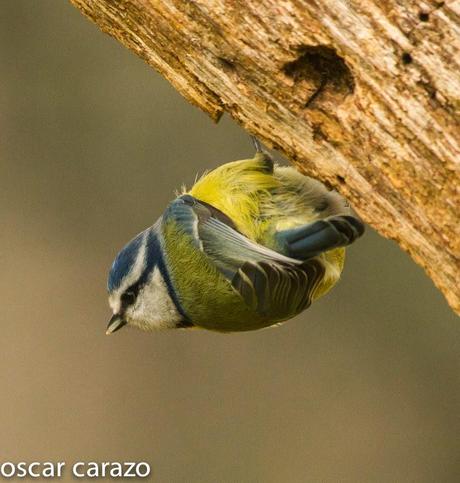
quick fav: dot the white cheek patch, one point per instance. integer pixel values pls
(154, 308)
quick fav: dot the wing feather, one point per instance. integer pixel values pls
(270, 283)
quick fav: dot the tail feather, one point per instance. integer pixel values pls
(310, 240)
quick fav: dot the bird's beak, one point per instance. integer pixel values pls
(115, 323)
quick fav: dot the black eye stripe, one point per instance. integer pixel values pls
(129, 296)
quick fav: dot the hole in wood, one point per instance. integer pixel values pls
(406, 58)
(322, 75)
(226, 64)
(424, 16)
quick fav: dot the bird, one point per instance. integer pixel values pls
(250, 245)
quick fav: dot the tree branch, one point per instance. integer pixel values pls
(362, 94)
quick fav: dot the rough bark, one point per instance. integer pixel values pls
(362, 94)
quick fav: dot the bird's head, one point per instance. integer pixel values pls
(139, 287)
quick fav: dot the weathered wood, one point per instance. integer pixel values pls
(362, 94)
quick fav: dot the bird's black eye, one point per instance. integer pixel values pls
(128, 298)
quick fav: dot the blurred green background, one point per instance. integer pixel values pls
(363, 387)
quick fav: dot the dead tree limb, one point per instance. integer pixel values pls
(362, 94)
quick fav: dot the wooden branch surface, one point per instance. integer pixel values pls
(362, 94)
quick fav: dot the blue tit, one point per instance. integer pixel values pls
(251, 245)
